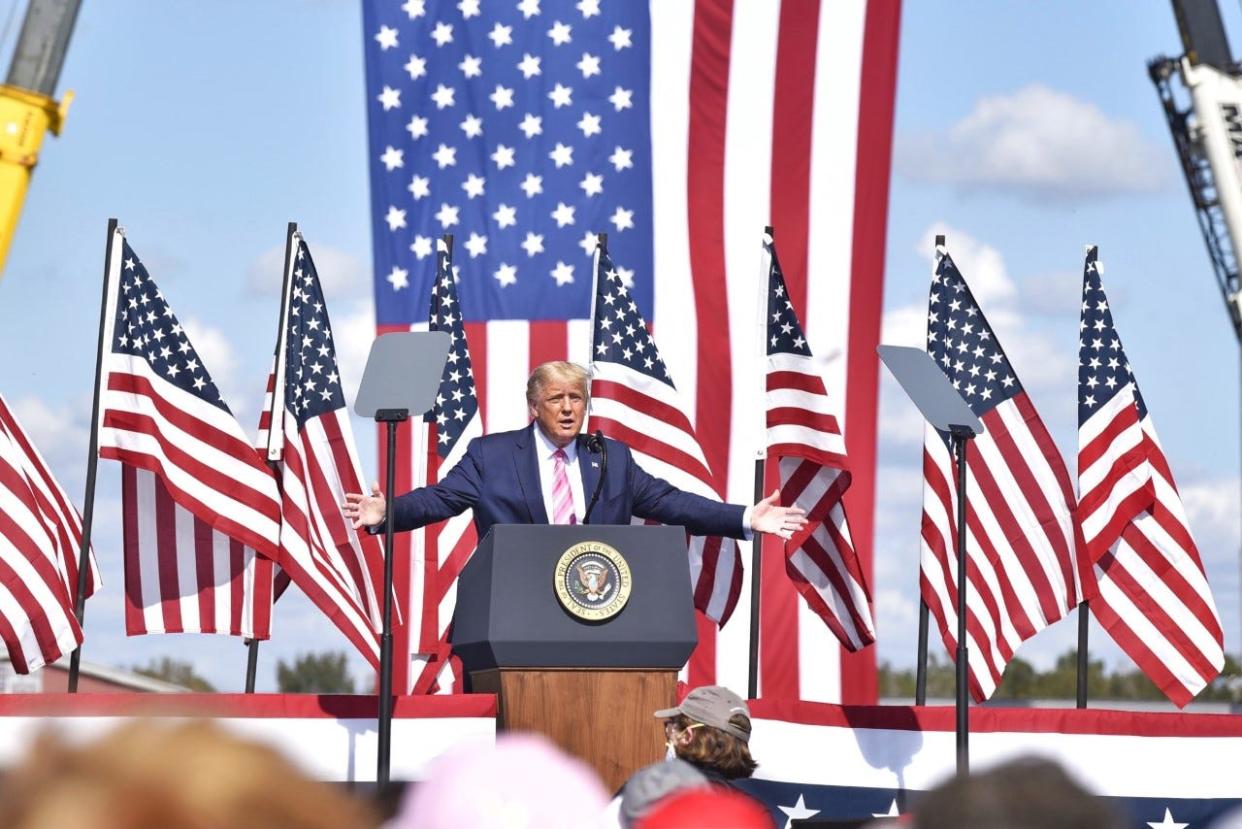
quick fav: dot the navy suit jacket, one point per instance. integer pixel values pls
(499, 478)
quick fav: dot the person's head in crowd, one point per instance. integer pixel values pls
(149, 775)
(707, 809)
(711, 730)
(522, 782)
(650, 785)
(1030, 793)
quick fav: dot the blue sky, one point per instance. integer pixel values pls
(206, 126)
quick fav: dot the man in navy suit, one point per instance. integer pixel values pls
(546, 474)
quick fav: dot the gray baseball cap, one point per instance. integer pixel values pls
(651, 784)
(712, 705)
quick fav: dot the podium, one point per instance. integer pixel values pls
(537, 624)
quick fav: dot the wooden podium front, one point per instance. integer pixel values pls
(602, 716)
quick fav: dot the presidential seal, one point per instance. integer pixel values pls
(592, 581)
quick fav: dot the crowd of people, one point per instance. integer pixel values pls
(193, 775)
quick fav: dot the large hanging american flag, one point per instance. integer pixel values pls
(196, 480)
(633, 400)
(804, 438)
(40, 540)
(1151, 593)
(1021, 532)
(680, 127)
(307, 434)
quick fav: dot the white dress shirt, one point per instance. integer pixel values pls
(544, 454)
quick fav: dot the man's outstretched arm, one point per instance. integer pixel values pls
(458, 492)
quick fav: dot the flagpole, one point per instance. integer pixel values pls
(756, 542)
(1083, 627)
(92, 465)
(920, 667)
(252, 645)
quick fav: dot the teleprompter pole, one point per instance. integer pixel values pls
(961, 437)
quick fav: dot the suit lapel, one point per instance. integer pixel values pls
(588, 466)
(528, 474)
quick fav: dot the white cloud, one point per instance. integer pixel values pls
(1039, 144)
(216, 354)
(1041, 362)
(1212, 509)
(61, 435)
(340, 273)
(981, 264)
(354, 333)
(1057, 294)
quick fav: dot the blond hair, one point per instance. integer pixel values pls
(146, 775)
(556, 370)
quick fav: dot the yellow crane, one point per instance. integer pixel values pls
(27, 106)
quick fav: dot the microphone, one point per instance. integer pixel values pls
(596, 443)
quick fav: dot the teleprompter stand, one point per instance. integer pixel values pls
(401, 379)
(946, 411)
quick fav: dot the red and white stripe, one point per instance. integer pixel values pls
(1151, 593)
(182, 576)
(648, 416)
(804, 438)
(339, 569)
(63, 517)
(198, 450)
(760, 116)
(1020, 538)
(40, 537)
(440, 551)
(1114, 480)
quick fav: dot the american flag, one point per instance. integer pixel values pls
(633, 400)
(1021, 530)
(680, 126)
(40, 540)
(183, 576)
(309, 437)
(195, 481)
(805, 439)
(1151, 593)
(447, 430)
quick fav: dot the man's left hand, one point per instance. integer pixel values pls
(768, 516)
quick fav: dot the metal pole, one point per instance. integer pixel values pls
(756, 562)
(40, 52)
(920, 668)
(390, 418)
(252, 663)
(1083, 665)
(960, 438)
(276, 421)
(92, 465)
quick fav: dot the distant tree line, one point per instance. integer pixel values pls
(309, 673)
(1022, 681)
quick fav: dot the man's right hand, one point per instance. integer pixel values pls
(365, 510)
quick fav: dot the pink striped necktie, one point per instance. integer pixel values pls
(562, 496)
